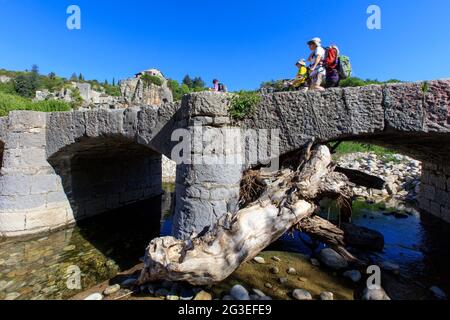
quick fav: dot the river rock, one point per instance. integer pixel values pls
(111, 290)
(238, 292)
(129, 282)
(276, 259)
(332, 259)
(203, 296)
(291, 271)
(353, 275)
(228, 298)
(327, 296)
(283, 280)
(275, 270)
(300, 294)
(258, 292)
(259, 260)
(438, 293)
(315, 262)
(94, 296)
(268, 285)
(172, 297)
(265, 298)
(375, 293)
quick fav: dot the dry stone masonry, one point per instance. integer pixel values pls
(435, 192)
(59, 167)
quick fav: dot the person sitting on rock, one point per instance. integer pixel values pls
(301, 80)
(218, 87)
(316, 70)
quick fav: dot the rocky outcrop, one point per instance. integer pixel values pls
(4, 79)
(136, 91)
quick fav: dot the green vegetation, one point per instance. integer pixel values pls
(355, 147)
(17, 93)
(148, 80)
(243, 103)
(9, 102)
(357, 82)
(188, 85)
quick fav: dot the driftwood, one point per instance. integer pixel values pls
(362, 179)
(288, 199)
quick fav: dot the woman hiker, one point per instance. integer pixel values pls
(317, 70)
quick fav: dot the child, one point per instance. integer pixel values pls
(302, 76)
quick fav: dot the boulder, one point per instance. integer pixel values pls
(332, 259)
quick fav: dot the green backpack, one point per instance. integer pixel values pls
(345, 67)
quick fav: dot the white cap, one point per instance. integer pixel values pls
(317, 41)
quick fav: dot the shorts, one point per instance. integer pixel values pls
(317, 78)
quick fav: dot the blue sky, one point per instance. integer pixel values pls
(240, 42)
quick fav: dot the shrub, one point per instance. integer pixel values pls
(243, 103)
(9, 102)
(148, 80)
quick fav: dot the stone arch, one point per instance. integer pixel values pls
(104, 173)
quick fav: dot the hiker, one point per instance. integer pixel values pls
(218, 87)
(301, 80)
(316, 71)
(331, 67)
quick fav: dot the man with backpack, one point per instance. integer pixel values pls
(337, 66)
(331, 66)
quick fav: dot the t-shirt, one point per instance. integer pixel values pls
(319, 51)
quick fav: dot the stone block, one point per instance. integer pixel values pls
(26, 120)
(11, 222)
(45, 184)
(15, 185)
(46, 219)
(22, 140)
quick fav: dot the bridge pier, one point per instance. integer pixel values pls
(208, 186)
(435, 190)
(32, 197)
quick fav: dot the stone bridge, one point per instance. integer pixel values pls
(58, 168)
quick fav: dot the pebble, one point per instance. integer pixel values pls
(12, 296)
(303, 279)
(353, 275)
(258, 292)
(259, 260)
(268, 285)
(375, 293)
(438, 293)
(283, 280)
(315, 262)
(332, 259)
(172, 297)
(300, 294)
(276, 259)
(291, 271)
(275, 270)
(70, 248)
(203, 296)
(238, 292)
(265, 298)
(94, 297)
(228, 298)
(327, 296)
(111, 290)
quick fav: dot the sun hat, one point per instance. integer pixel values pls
(301, 62)
(316, 41)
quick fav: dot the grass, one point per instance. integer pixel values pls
(354, 147)
(9, 102)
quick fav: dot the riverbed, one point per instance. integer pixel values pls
(42, 267)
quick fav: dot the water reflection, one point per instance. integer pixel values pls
(101, 246)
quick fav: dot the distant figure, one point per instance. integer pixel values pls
(331, 66)
(218, 87)
(317, 58)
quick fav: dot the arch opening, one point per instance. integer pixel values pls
(103, 174)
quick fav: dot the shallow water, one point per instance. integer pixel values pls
(39, 268)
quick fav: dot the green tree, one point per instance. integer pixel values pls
(188, 81)
(74, 77)
(25, 85)
(198, 83)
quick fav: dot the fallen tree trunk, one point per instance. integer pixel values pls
(288, 199)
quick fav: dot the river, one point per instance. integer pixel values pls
(100, 247)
